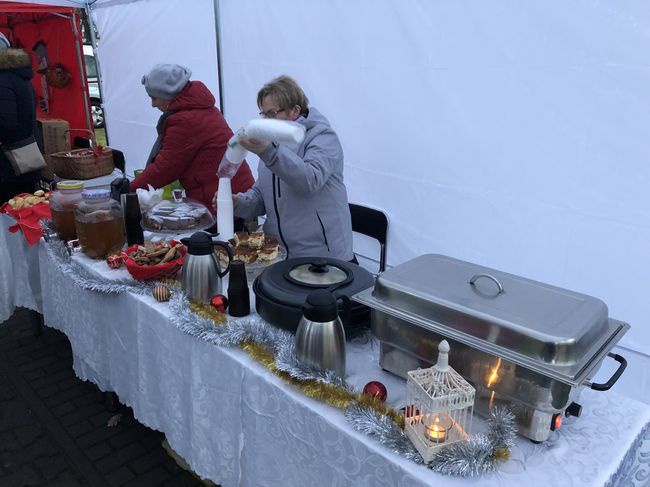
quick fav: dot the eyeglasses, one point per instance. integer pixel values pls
(271, 113)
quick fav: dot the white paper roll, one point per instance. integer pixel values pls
(272, 129)
(263, 129)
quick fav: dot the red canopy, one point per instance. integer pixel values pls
(59, 29)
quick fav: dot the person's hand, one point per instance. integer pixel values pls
(214, 202)
(254, 145)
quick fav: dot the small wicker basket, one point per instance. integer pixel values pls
(83, 163)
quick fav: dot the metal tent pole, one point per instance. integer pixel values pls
(80, 60)
(217, 30)
(93, 40)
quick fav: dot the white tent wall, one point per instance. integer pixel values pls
(133, 37)
(509, 134)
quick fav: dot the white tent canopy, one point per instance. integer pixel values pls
(508, 134)
(135, 36)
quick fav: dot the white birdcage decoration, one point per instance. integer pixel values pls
(440, 405)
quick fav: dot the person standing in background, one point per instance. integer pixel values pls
(192, 136)
(17, 116)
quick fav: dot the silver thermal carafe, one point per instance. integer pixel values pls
(201, 275)
(320, 337)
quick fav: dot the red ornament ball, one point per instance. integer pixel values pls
(219, 302)
(377, 389)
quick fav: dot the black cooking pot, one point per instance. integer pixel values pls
(281, 289)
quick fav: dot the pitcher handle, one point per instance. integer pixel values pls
(229, 252)
(347, 309)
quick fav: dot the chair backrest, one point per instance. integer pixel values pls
(118, 159)
(81, 142)
(373, 223)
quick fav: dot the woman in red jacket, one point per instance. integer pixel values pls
(192, 136)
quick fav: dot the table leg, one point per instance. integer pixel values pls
(37, 322)
(112, 401)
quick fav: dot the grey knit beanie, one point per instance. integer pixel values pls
(166, 80)
(4, 42)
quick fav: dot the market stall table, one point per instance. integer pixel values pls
(19, 271)
(236, 423)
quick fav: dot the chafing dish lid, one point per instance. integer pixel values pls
(489, 309)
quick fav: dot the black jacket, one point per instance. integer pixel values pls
(17, 108)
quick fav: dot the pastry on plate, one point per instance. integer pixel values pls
(244, 254)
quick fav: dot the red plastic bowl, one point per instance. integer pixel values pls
(159, 271)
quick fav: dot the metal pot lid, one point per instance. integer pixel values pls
(289, 281)
(318, 273)
(528, 322)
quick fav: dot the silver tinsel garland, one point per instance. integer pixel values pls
(467, 458)
(58, 252)
(252, 329)
(381, 427)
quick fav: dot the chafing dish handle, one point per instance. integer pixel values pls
(473, 280)
(608, 385)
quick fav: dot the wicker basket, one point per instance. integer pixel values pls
(83, 163)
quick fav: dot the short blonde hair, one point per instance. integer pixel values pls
(287, 92)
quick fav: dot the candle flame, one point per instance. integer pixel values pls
(436, 432)
(494, 374)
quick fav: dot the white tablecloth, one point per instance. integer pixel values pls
(20, 283)
(238, 424)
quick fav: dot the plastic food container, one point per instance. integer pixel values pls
(62, 203)
(184, 215)
(99, 224)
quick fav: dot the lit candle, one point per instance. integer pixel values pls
(436, 432)
(494, 377)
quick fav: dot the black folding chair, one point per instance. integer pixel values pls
(373, 223)
(118, 160)
(81, 142)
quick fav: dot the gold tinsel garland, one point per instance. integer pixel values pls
(335, 396)
(208, 312)
(502, 454)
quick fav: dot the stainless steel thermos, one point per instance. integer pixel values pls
(320, 337)
(201, 276)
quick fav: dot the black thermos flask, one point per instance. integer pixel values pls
(238, 295)
(132, 219)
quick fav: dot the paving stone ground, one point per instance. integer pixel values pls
(53, 426)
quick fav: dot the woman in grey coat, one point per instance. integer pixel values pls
(299, 187)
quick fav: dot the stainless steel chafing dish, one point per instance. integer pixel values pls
(522, 343)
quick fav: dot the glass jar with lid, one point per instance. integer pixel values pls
(99, 224)
(62, 202)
